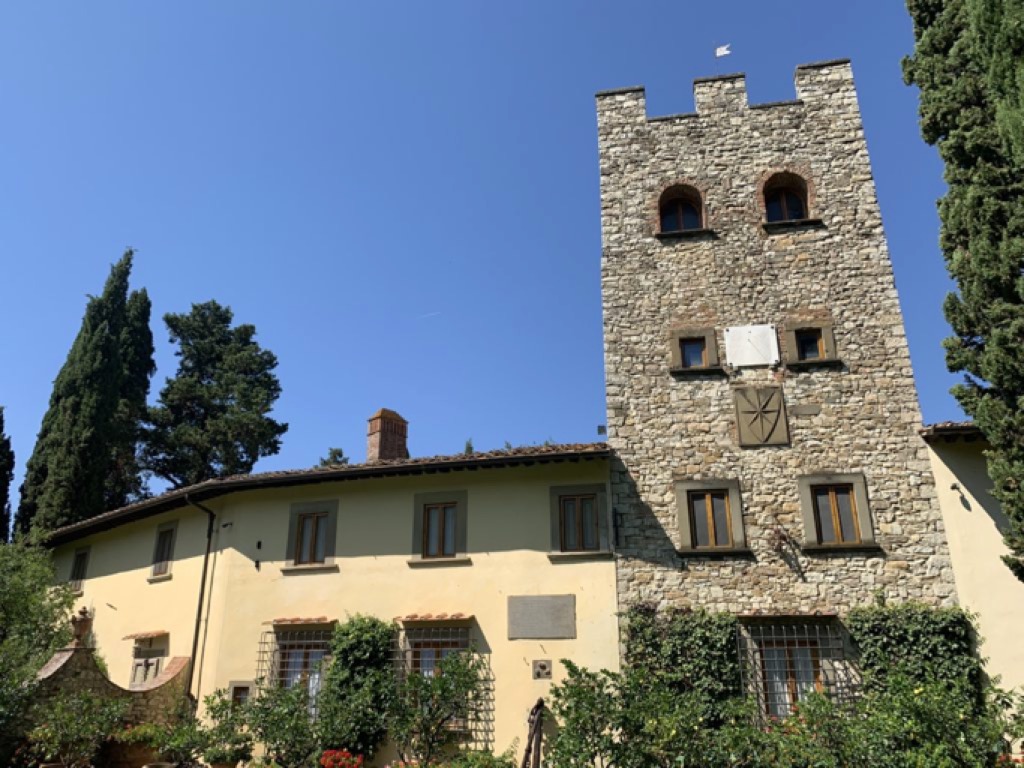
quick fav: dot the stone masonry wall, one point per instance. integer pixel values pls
(859, 417)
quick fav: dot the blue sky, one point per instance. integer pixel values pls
(402, 197)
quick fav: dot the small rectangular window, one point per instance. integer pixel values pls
(148, 658)
(439, 530)
(239, 695)
(710, 518)
(311, 538)
(835, 514)
(78, 570)
(164, 551)
(579, 523)
(790, 670)
(693, 353)
(810, 345)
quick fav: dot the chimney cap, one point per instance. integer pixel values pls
(387, 413)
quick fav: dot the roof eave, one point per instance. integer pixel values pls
(215, 489)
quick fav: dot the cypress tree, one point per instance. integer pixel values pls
(6, 475)
(212, 418)
(84, 460)
(967, 64)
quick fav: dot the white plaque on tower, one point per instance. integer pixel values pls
(750, 345)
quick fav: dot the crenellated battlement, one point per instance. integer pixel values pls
(818, 82)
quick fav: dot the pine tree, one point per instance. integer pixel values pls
(84, 460)
(212, 418)
(6, 475)
(335, 458)
(967, 63)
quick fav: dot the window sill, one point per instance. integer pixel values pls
(575, 557)
(311, 568)
(771, 227)
(687, 234)
(161, 577)
(438, 562)
(76, 592)
(830, 362)
(743, 553)
(707, 370)
(866, 547)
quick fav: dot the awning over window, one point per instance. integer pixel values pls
(147, 635)
(423, 618)
(301, 621)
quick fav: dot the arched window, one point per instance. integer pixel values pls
(785, 198)
(681, 210)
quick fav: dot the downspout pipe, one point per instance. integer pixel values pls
(211, 516)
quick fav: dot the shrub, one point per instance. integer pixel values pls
(281, 720)
(358, 687)
(340, 758)
(472, 758)
(685, 650)
(225, 738)
(919, 642)
(430, 713)
(72, 727)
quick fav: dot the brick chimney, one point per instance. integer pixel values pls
(386, 437)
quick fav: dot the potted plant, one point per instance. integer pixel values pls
(71, 727)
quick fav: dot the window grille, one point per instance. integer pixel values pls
(147, 660)
(294, 657)
(419, 650)
(783, 662)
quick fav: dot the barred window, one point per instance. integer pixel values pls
(784, 662)
(421, 649)
(294, 657)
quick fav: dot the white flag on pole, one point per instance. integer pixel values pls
(722, 50)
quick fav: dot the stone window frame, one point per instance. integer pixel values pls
(672, 187)
(168, 564)
(296, 510)
(235, 685)
(77, 585)
(460, 498)
(803, 172)
(686, 547)
(604, 538)
(710, 335)
(790, 349)
(805, 484)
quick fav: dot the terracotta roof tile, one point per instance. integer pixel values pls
(434, 617)
(146, 635)
(303, 620)
(950, 429)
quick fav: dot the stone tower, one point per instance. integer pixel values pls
(760, 397)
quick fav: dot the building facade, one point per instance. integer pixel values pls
(764, 458)
(761, 403)
(508, 553)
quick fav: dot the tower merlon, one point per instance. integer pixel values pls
(815, 82)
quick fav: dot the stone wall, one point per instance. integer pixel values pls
(860, 416)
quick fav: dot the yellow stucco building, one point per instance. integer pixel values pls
(510, 552)
(974, 526)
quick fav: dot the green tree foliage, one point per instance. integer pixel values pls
(967, 63)
(6, 475)
(212, 417)
(280, 719)
(924, 704)
(359, 686)
(918, 642)
(33, 624)
(72, 727)
(84, 460)
(335, 458)
(431, 713)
